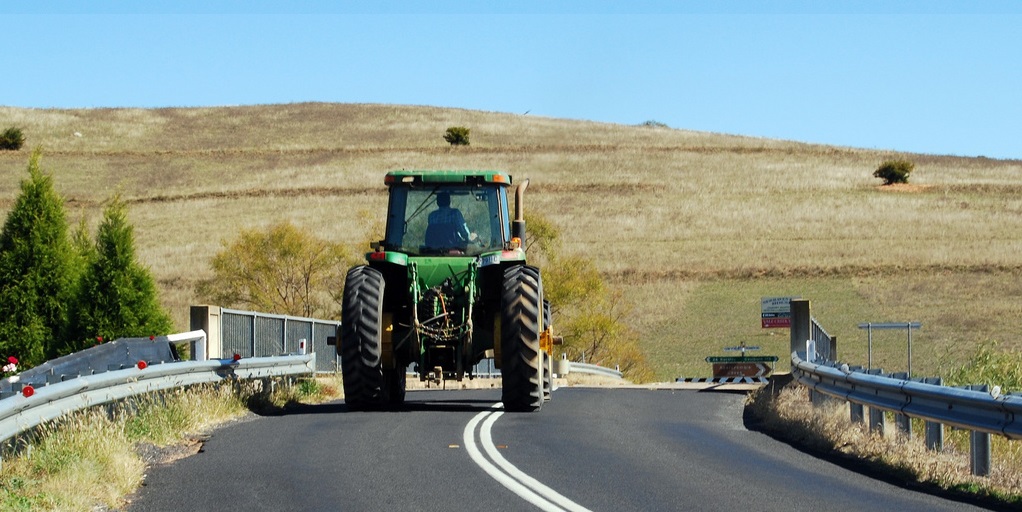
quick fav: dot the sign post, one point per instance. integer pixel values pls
(887, 326)
(741, 365)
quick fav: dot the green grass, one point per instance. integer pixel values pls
(76, 463)
(89, 458)
(726, 312)
(959, 311)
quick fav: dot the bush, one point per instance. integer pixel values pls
(652, 123)
(894, 171)
(12, 139)
(281, 269)
(457, 136)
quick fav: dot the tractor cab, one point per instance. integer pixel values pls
(447, 213)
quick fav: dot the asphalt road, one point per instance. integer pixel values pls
(588, 449)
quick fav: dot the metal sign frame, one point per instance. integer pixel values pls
(908, 326)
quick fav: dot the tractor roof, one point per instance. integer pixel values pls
(423, 176)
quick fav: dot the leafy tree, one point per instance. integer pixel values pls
(457, 136)
(571, 281)
(12, 139)
(542, 239)
(894, 171)
(282, 269)
(590, 315)
(598, 333)
(38, 270)
(117, 296)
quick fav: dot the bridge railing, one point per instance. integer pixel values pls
(254, 334)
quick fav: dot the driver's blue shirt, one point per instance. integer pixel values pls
(446, 215)
(452, 217)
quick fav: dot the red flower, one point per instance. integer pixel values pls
(12, 360)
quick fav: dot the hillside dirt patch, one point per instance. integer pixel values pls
(906, 188)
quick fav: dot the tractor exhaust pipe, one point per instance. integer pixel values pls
(518, 225)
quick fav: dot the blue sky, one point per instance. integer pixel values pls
(931, 76)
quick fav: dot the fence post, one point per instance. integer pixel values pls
(312, 336)
(337, 353)
(255, 316)
(208, 319)
(283, 338)
(801, 328)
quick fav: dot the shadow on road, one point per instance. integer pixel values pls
(339, 407)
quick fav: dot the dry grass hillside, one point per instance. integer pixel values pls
(694, 227)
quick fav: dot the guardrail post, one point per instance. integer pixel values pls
(856, 414)
(819, 399)
(561, 367)
(801, 328)
(979, 453)
(877, 420)
(904, 425)
(934, 436)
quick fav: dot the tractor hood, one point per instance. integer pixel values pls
(433, 271)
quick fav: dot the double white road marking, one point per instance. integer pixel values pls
(494, 464)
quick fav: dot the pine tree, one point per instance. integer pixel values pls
(37, 270)
(117, 296)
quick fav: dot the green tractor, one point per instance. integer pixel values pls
(446, 288)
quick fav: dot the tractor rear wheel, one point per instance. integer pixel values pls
(361, 338)
(521, 359)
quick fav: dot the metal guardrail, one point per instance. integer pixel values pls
(982, 411)
(977, 411)
(113, 355)
(593, 370)
(26, 410)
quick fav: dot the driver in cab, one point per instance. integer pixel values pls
(447, 227)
